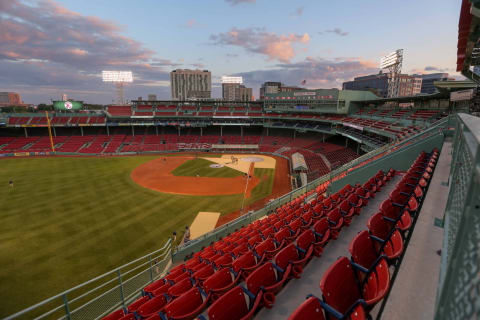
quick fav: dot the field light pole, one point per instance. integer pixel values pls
(119, 78)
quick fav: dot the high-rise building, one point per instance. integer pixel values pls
(378, 83)
(190, 84)
(152, 97)
(429, 79)
(233, 90)
(270, 87)
(10, 99)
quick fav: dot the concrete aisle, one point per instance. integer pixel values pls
(414, 291)
(294, 293)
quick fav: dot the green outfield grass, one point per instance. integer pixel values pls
(67, 220)
(201, 167)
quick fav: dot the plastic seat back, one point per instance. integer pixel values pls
(286, 255)
(220, 279)
(306, 239)
(339, 285)
(245, 261)
(232, 305)
(335, 217)
(264, 276)
(281, 235)
(363, 250)
(152, 306)
(137, 303)
(180, 288)
(309, 309)
(379, 227)
(187, 306)
(266, 245)
(116, 315)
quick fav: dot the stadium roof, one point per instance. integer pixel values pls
(468, 47)
(420, 97)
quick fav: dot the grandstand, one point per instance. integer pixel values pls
(384, 227)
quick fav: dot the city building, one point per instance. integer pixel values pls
(429, 79)
(152, 97)
(409, 85)
(190, 84)
(234, 90)
(270, 87)
(8, 99)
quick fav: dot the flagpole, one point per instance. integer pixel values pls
(50, 131)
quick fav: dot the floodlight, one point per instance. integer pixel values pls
(227, 79)
(119, 78)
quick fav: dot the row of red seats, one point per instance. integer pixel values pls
(245, 255)
(351, 288)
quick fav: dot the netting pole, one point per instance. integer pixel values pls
(121, 287)
(67, 311)
(151, 267)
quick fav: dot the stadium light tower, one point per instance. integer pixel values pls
(393, 62)
(119, 78)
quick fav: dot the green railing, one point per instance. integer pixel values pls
(100, 296)
(458, 295)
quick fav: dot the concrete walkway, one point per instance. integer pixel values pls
(294, 293)
(414, 291)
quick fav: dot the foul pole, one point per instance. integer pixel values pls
(246, 185)
(50, 131)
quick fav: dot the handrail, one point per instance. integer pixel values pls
(163, 252)
(457, 293)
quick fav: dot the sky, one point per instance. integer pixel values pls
(52, 47)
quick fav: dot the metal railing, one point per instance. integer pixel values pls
(458, 292)
(100, 296)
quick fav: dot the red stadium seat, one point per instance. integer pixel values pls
(187, 306)
(335, 221)
(267, 249)
(342, 286)
(295, 227)
(152, 306)
(389, 241)
(220, 282)
(116, 315)
(356, 202)
(313, 309)
(246, 264)
(306, 242)
(347, 211)
(136, 304)
(291, 255)
(155, 285)
(321, 230)
(269, 278)
(179, 288)
(203, 273)
(327, 204)
(235, 304)
(224, 261)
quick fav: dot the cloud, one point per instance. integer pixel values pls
(336, 31)
(319, 73)
(258, 40)
(298, 12)
(432, 68)
(235, 2)
(45, 45)
(190, 23)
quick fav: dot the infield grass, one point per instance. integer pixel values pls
(67, 220)
(201, 167)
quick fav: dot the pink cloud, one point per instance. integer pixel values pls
(258, 40)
